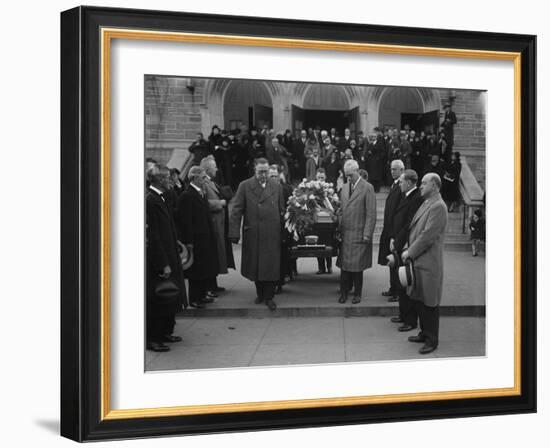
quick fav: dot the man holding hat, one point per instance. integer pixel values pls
(426, 235)
(409, 203)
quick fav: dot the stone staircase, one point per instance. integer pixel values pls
(454, 233)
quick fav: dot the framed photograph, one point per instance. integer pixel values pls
(277, 224)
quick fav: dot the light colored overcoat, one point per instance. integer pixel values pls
(260, 210)
(426, 237)
(218, 218)
(357, 221)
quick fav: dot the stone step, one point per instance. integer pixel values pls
(359, 310)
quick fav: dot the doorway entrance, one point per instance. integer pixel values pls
(400, 106)
(247, 103)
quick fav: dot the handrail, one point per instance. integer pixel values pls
(471, 192)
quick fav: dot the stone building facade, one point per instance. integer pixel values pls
(177, 108)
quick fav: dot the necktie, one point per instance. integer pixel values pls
(350, 189)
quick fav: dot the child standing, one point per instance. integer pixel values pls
(477, 231)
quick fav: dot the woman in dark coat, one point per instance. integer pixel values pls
(214, 139)
(224, 161)
(451, 178)
(333, 168)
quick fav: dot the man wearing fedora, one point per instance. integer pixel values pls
(409, 203)
(163, 262)
(426, 235)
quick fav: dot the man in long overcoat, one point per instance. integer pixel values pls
(196, 231)
(426, 237)
(163, 261)
(392, 200)
(218, 210)
(259, 205)
(410, 201)
(356, 225)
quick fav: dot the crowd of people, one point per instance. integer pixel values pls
(237, 188)
(300, 157)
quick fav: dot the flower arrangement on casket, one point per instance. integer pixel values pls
(308, 199)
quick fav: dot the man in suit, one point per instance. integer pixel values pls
(410, 201)
(313, 164)
(356, 224)
(345, 141)
(448, 125)
(218, 210)
(163, 261)
(299, 154)
(392, 200)
(259, 205)
(426, 235)
(196, 231)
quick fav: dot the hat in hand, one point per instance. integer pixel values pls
(186, 257)
(406, 276)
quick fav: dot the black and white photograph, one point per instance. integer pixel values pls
(294, 223)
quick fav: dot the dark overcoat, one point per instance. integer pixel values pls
(195, 226)
(426, 237)
(356, 221)
(161, 250)
(260, 210)
(392, 200)
(375, 159)
(404, 212)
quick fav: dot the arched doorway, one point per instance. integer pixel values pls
(247, 103)
(402, 107)
(398, 101)
(325, 106)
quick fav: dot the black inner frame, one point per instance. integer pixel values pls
(80, 223)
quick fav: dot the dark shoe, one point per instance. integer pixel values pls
(271, 305)
(320, 272)
(207, 300)
(393, 299)
(199, 305)
(157, 347)
(356, 299)
(342, 299)
(388, 293)
(171, 338)
(427, 348)
(329, 271)
(279, 289)
(211, 294)
(406, 327)
(417, 339)
(397, 320)
(258, 301)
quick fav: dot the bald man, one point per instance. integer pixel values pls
(425, 250)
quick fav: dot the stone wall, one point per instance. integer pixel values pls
(174, 114)
(470, 129)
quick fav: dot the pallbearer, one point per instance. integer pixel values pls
(259, 205)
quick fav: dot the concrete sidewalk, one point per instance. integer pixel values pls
(310, 295)
(243, 342)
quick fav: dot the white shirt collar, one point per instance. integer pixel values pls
(156, 190)
(196, 188)
(409, 192)
(356, 182)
